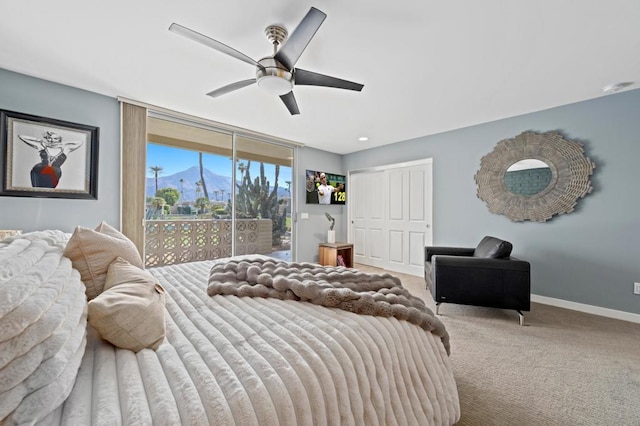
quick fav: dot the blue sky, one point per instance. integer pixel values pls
(174, 160)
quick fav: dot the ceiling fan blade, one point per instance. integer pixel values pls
(290, 102)
(208, 41)
(231, 87)
(290, 52)
(309, 78)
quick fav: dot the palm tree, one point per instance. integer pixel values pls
(158, 203)
(204, 185)
(156, 170)
(216, 194)
(198, 190)
(202, 203)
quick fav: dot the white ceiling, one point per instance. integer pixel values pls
(427, 66)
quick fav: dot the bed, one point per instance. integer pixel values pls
(239, 347)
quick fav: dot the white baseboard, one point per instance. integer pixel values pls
(589, 309)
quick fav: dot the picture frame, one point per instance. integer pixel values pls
(45, 157)
(338, 191)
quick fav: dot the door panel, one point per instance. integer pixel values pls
(376, 245)
(396, 209)
(417, 226)
(417, 195)
(358, 197)
(396, 243)
(359, 243)
(368, 218)
(391, 216)
(374, 206)
(416, 249)
(358, 205)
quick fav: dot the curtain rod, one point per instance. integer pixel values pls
(212, 123)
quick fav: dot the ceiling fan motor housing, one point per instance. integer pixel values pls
(274, 77)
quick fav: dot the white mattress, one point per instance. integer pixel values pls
(252, 361)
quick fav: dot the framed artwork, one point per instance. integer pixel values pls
(44, 157)
(326, 188)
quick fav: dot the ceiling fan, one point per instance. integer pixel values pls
(276, 74)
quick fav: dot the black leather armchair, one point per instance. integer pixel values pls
(482, 276)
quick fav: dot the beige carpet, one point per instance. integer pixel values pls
(562, 368)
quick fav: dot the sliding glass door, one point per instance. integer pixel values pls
(191, 194)
(263, 198)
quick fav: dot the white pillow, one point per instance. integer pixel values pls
(92, 251)
(129, 313)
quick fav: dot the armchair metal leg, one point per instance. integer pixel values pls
(437, 308)
(521, 315)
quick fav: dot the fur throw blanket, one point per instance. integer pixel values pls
(332, 287)
(43, 322)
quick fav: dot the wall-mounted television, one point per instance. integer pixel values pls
(325, 188)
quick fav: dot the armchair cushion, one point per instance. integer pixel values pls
(431, 251)
(493, 247)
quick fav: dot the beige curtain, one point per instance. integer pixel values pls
(134, 163)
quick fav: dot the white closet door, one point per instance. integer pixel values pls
(391, 216)
(409, 218)
(368, 228)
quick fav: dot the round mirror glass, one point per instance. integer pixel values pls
(527, 177)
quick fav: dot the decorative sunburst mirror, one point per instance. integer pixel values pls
(534, 176)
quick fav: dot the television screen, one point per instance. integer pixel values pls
(325, 188)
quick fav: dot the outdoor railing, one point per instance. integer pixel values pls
(170, 242)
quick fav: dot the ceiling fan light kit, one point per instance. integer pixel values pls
(277, 74)
(273, 77)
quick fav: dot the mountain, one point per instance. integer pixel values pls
(187, 187)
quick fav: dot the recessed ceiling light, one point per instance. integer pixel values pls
(616, 87)
(363, 138)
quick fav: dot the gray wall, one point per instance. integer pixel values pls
(33, 96)
(590, 256)
(312, 231)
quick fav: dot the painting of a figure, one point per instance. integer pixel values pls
(53, 153)
(48, 158)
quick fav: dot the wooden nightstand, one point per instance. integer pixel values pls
(329, 252)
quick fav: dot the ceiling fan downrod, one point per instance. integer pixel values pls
(276, 34)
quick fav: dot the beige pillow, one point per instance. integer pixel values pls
(129, 313)
(92, 251)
